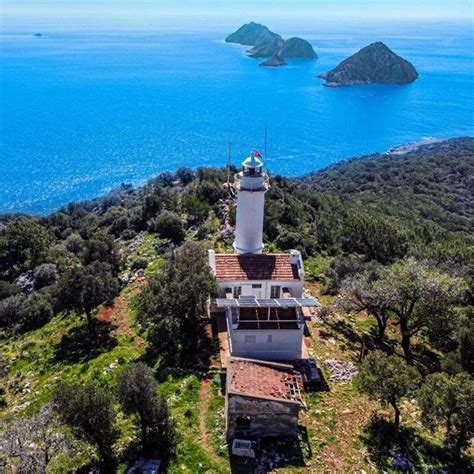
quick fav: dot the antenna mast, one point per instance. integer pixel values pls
(229, 156)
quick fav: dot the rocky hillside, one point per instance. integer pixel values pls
(88, 291)
(374, 64)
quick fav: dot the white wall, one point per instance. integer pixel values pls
(295, 287)
(249, 222)
(286, 344)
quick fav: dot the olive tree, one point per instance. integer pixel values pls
(449, 401)
(169, 225)
(174, 304)
(417, 296)
(84, 288)
(137, 395)
(387, 379)
(88, 410)
(361, 293)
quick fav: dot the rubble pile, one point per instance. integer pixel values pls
(340, 371)
(269, 459)
(135, 243)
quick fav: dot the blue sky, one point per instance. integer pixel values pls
(166, 13)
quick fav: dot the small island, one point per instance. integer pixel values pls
(374, 64)
(267, 44)
(275, 61)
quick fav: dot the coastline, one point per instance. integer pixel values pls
(398, 150)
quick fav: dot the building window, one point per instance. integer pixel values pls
(237, 291)
(275, 292)
(250, 339)
(257, 285)
(269, 338)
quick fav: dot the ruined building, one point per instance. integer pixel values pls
(262, 399)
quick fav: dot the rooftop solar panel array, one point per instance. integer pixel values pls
(252, 302)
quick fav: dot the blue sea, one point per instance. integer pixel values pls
(84, 110)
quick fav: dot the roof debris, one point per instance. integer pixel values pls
(262, 379)
(341, 371)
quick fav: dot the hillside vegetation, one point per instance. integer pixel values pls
(432, 184)
(119, 285)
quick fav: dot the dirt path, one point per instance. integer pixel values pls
(118, 315)
(203, 402)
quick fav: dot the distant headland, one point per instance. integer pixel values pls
(374, 64)
(266, 44)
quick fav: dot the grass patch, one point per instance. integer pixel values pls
(182, 393)
(215, 422)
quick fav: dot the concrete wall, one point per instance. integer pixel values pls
(267, 417)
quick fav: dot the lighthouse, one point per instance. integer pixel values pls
(251, 185)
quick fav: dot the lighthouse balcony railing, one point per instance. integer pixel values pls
(242, 183)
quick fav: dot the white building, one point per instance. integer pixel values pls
(262, 275)
(260, 295)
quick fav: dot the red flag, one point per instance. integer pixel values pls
(257, 154)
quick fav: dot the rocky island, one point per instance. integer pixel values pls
(275, 61)
(267, 44)
(374, 64)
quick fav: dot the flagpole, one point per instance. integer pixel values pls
(265, 142)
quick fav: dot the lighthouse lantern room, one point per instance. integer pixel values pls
(251, 184)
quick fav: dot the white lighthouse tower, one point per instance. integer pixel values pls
(251, 184)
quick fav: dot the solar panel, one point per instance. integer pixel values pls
(249, 304)
(266, 302)
(249, 301)
(247, 298)
(226, 303)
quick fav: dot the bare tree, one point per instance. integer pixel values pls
(32, 443)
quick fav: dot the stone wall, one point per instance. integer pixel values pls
(253, 418)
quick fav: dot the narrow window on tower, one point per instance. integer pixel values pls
(275, 292)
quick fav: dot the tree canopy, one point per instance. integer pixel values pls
(137, 394)
(88, 410)
(175, 302)
(388, 379)
(448, 401)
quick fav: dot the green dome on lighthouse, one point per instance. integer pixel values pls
(253, 161)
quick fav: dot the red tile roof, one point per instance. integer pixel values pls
(255, 267)
(261, 379)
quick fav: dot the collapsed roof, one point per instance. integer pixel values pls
(266, 380)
